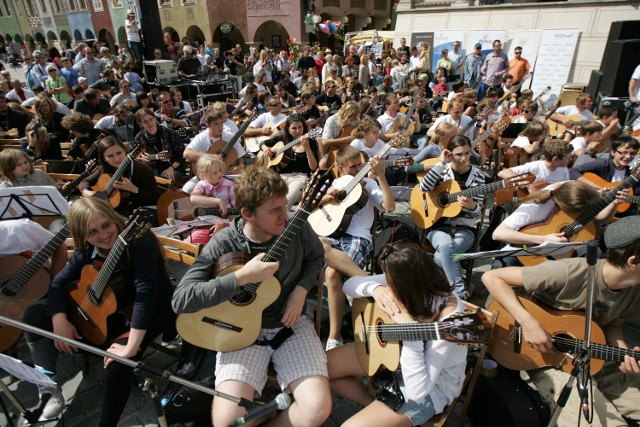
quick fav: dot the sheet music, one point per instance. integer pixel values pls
(23, 371)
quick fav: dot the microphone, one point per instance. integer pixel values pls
(281, 402)
(592, 252)
(584, 393)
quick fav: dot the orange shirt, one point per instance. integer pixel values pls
(518, 67)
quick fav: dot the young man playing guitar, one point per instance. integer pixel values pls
(391, 117)
(561, 284)
(582, 111)
(261, 195)
(356, 241)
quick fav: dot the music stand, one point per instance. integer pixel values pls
(27, 202)
(543, 249)
(28, 373)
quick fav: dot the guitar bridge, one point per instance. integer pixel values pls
(222, 325)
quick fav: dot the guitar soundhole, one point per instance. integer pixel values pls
(565, 343)
(9, 291)
(244, 298)
(443, 199)
(381, 341)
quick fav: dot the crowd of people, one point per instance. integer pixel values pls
(295, 116)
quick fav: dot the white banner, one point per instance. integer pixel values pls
(529, 41)
(555, 56)
(443, 39)
(485, 38)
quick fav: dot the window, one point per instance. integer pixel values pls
(97, 5)
(43, 7)
(164, 3)
(83, 4)
(72, 5)
(7, 7)
(57, 7)
(189, 2)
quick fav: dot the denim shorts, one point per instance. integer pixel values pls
(358, 249)
(418, 412)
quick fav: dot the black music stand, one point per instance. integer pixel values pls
(29, 202)
(29, 374)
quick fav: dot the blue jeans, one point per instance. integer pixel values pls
(445, 246)
(419, 140)
(136, 51)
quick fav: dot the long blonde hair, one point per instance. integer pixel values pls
(570, 196)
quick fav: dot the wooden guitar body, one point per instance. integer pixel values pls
(509, 350)
(428, 162)
(252, 143)
(333, 219)
(515, 156)
(347, 131)
(87, 314)
(556, 128)
(427, 208)
(622, 207)
(504, 195)
(373, 352)
(15, 298)
(556, 224)
(103, 181)
(235, 323)
(232, 156)
(396, 126)
(266, 162)
(174, 204)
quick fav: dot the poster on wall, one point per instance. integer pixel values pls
(443, 39)
(485, 38)
(553, 63)
(529, 41)
(416, 38)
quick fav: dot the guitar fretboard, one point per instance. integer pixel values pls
(243, 127)
(474, 191)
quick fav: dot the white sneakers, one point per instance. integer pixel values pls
(54, 405)
(331, 344)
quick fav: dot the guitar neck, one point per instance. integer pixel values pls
(578, 224)
(634, 200)
(102, 280)
(397, 332)
(66, 192)
(227, 148)
(295, 142)
(199, 211)
(365, 170)
(26, 272)
(476, 191)
(118, 174)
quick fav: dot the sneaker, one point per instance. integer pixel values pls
(331, 344)
(54, 405)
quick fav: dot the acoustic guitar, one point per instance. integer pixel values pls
(333, 218)
(576, 226)
(67, 191)
(427, 208)
(404, 124)
(104, 188)
(23, 282)
(91, 301)
(567, 330)
(377, 336)
(225, 148)
(236, 323)
(282, 152)
(253, 142)
(600, 182)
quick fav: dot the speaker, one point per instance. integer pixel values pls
(203, 100)
(601, 100)
(594, 83)
(624, 30)
(620, 59)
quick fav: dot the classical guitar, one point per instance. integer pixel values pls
(567, 330)
(91, 301)
(427, 208)
(236, 323)
(404, 124)
(282, 152)
(253, 142)
(377, 336)
(576, 226)
(225, 148)
(23, 282)
(495, 130)
(68, 189)
(333, 219)
(162, 156)
(105, 186)
(600, 182)
(558, 128)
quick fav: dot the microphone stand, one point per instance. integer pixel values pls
(138, 366)
(582, 361)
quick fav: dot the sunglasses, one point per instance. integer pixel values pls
(273, 105)
(388, 249)
(518, 53)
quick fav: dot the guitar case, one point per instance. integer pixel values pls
(506, 400)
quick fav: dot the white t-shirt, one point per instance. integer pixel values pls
(578, 143)
(521, 141)
(464, 120)
(202, 142)
(266, 118)
(529, 213)
(542, 173)
(22, 235)
(370, 152)
(636, 76)
(362, 220)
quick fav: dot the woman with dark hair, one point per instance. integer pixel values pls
(142, 289)
(411, 289)
(178, 103)
(143, 100)
(455, 235)
(39, 145)
(301, 159)
(137, 186)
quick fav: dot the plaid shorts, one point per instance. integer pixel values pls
(301, 355)
(359, 249)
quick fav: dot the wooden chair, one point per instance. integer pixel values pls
(63, 178)
(164, 184)
(472, 372)
(180, 251)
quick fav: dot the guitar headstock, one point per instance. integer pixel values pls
(314, 133)
(135, 148)
(398, 140)
(92, 166)
(405, 160)
(163, 156)
(138, 224)
(318, 186)
(469, 327)
(521, 180)
(501, 124)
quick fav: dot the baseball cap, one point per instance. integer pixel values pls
(478, 45)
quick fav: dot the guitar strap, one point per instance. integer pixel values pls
(278, 339)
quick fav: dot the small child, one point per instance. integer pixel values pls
(213, 190)
(16, 170)
(530, 138)
(587, 143)
(440, 90)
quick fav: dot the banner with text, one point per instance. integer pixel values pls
(443, 39)
(529, 42)
(553, 63)
(485, 38)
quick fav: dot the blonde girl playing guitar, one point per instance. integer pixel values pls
(404, 293)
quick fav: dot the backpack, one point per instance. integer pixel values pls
(29, 78)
